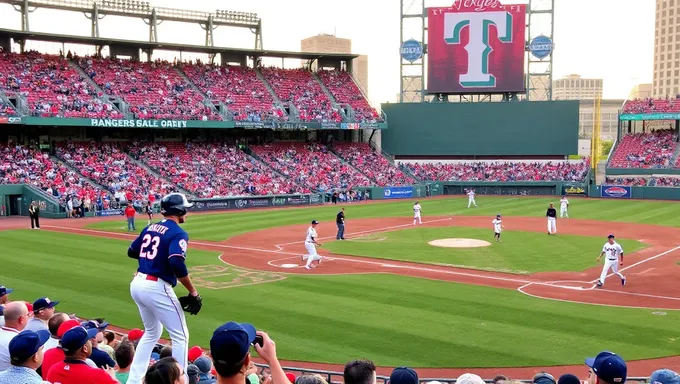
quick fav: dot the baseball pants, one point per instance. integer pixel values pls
(35, 222)
(417, 218)
(552, 225)
(614, 266)
(341, 232)
(563, 212)
(312, 255)
(471, 201)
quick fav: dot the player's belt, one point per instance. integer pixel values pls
(146, 277)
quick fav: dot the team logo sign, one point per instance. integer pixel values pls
(616, 191)
(541, 47)
(411, 50)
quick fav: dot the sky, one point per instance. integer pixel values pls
(608, 39)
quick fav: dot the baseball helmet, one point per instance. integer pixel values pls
(175, 204)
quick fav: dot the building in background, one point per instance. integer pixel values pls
(574, 87)
(326, 43)
(609, 118)
(640, 91)
(667, 49)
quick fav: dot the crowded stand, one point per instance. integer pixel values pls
(239, 88)
(502, 171)
(6, 109)
(665, 182)
(212, 169)
(108, 165)
(300, 88)
(645, 150)
(51, 87)
(311, 165)
(628, 181)
(372, 164)
(343, 88)
(154, 90)
(650, 105)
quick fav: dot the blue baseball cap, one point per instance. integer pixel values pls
(43, 303)
(76, 337)
(664, 376)
(403, 375)
(94, 324)
(5, 291)
(231, 342)
(26, 344)
(611, 236)
(315, 222)
(609, 367)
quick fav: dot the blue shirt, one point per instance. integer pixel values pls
(101, 358)
(156, 245)
(20, 375)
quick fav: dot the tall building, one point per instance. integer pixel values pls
(640, 91)
(574, 87)
(325, 43)
(667, 49)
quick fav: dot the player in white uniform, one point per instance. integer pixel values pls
(471, 197)
(564, 204)
(613, 254)
(497, 227)
(416, 213)
(310, 245)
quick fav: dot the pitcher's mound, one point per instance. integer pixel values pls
(459, 243)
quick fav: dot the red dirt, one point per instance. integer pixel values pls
(651, 279)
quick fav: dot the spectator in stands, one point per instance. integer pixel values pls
(359, 372)
(568, 378)
(193, 374)
(4, 299)
(56, 355)
(43, 310)
(664, 376)
(311, 379)
(101, 358)
(166, 351)
(125, 352)
(543, 378)
(470, 378)
(16, 319)
(499, 378)
(166, 371)
(77, 346)
(403, 375)
(26, 355)
(109, 342)
(606, 368)
(53, 325)
(205, 366)
(194, 353)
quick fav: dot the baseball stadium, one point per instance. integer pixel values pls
(470, 232)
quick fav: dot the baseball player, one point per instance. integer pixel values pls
(551, 214)
(564, 204)
(416, 213)
(497, 227)
(614, 255)
(310, 245)
(471, 197)
(149, 212)
(161, 252)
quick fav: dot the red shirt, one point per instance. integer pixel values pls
(77, 372)
(130, 211)
(51, 357)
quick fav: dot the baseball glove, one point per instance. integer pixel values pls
(191, 304)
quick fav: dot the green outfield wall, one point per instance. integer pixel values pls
(17, 197)
(520, 188)
(540, 128)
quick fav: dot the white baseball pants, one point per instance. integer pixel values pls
(312, 255)
(563, 211)
(158, 307)
(614, 266)
(471, 201)
(416, 217)
(552, 225)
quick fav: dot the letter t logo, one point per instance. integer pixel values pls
(478, 48)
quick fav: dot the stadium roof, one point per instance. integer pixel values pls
(49, 37)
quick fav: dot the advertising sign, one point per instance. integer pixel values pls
(10, 120)
(615, 191)
(476, 47)
(397, 192)
(574, 190)
(541, 47)
(109, 212)
(411, 50)
(650, 116)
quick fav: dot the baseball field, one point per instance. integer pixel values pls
(385, 293)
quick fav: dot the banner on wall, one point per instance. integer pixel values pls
(397, 192)
(574, 190)
(616, 191)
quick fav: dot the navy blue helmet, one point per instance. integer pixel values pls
(175, 204)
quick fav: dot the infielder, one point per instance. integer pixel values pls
(564, 204)
(497, 227)
(416, 213)
(471, 197)
(551, 214)
(161, 252)
(310, 245)
(614, 255)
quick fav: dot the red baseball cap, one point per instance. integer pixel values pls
(291, 377)
(29, 306)
(194, 353)
(67, 326)
(135, 334)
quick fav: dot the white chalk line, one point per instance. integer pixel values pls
(642, 262)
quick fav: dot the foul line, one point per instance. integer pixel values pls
(641, 262)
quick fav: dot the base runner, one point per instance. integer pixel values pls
(497, 227)
(310, 245)
(416, 213)
(613, 256)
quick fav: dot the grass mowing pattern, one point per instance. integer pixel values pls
(520, 252)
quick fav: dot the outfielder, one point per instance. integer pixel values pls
(614, 255)
(564, 204)
(416, 213)
(497, 227)
(161, 252)
(471, 197)
(310, 245)
(551, 214)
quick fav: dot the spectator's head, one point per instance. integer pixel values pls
(4, 294)
(664, 376)
(310, 379)
(109, 337)
(55, 322)
(26, 348)
(568, 378)
(43, 308)
(135, 335)
(499, 378)
(174, 206)
(403, 375)
(291, 377)
(204, 364)
(100, 327)
(67, 325)
(194, 353)
(166, 351)
(359, 372)
(124, 354)
(165, 371)
(469, 378)
(77, 343)
(230, 348)
(607, 368)
(544, 378)
(193, 373)
(16, 315)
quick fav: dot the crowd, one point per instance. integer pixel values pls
(628, 181)
(51, 86)
(6, 109)
(645, 150)
(372, 164)
(343, 88)
(666, 181)
(501, 171)
(649, 105)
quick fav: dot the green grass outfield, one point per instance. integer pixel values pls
(520, 252)
(393, 320)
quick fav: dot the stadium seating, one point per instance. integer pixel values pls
(629, 181)
(212, 169)
(665, 182)
(239, 88)
(299, 87)
(311, 165)
(502, 171)
(644, 150)
(343, 88)
(6, 109)
(51, 86)
(154, 90)
(372, 164)
(652, 105)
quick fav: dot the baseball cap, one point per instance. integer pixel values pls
(29, 306)
(568, 378)
(193, 373)
(67, 325)
(544, 378)
(664, 376)
(195, 352)
(75, 338)
(94, 324)
(43, 303)
(204, 364)
(469, 378)
(611, 236)
(26, 344)
(315, 222)
(135, 334)
(403, 375)
(5, 291)
(231, 342)
(609, 367)
(291, 377)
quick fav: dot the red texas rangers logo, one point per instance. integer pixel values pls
(616, 191)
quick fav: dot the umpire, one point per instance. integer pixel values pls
(340, 222)
(34, 214)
